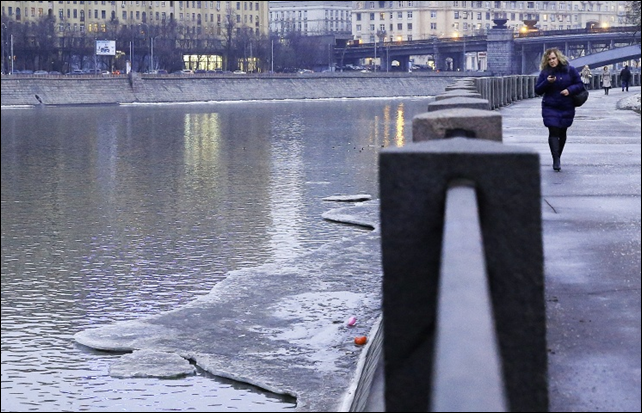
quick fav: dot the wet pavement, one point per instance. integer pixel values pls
(591, 223)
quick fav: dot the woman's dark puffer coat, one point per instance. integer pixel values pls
(558, 110)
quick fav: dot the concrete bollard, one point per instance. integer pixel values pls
(458, 93)
(447, 123)
(460, 86)
(459, 103)
(413, 183)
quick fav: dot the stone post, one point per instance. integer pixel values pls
(500, 49)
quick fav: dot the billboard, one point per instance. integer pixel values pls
(106, 47)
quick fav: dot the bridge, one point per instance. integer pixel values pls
(595, 47)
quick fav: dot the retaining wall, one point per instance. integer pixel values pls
(79, 90)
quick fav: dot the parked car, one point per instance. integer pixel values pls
(76, 72)
(239, 72)
(40, 72)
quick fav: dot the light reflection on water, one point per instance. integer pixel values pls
(114, 213)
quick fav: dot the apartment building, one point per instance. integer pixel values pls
(311, 18)
(189, 17)
(418, 20)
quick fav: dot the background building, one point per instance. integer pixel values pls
(226, 29)
(191, 17)
(311, 17)
(418, 20)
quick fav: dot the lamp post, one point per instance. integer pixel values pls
(388, 57)
(381, 34)
(147, 31)
(374, 61)
(11, 53)
(4, 26)
(151, 39)
(464, 61)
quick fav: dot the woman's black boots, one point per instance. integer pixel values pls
(562, 143)
(554, 144)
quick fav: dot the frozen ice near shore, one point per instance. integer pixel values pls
(282, 327)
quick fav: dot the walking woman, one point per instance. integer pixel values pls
(557, 82)
(586, 76)
(606, 80)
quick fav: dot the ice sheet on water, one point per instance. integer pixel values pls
(150, 363)
(279, 326)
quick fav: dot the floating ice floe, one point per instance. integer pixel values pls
(349, 198)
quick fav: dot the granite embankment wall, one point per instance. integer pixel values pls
(81, 90)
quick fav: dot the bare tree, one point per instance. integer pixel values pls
(229, 31)
(633, 17)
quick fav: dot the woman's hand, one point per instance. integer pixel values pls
(551, 78)
(565, 92)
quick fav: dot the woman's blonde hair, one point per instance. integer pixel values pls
(560, 57)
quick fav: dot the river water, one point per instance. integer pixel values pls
(112, 213)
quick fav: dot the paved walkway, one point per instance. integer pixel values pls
(591, 222)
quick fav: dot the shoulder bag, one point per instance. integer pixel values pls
(580, 98)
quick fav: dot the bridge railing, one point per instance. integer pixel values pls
(615, 29)
(462, 255)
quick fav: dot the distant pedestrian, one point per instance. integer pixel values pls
(625, 78)
(606, 80)
(586, 76)
(557, 81)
